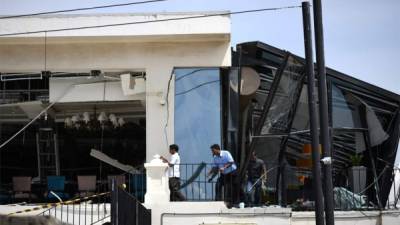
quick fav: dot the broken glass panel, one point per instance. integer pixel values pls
(285, 98)
(345, 112)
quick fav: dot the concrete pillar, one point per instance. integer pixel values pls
(158, 111)
(157, 183)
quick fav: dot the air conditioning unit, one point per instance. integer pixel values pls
(132, 85)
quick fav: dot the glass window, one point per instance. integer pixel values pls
(197, 125)
(345, 112)
(301, 121)
(197, 112)
(285, 98)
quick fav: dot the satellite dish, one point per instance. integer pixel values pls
(250, 82)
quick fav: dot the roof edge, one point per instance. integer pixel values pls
(120, 14)
(331, 72)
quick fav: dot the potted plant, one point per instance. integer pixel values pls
(357, 174)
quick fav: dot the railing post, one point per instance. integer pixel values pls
(114, 203)
(157, 191)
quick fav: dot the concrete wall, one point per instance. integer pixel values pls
(153, 48)
(273, 216)
(391, 217)
(341, 218)
(191, 213)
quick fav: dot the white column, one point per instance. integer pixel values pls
(157, 183)
(157, 111)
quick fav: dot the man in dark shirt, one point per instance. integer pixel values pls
(256, 173)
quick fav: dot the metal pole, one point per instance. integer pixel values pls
(0, 153)
(323, 112)
(239, 116)
(312, 107)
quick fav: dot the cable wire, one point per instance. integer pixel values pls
(151, 21)
(167, 105)
(37, 116)
(198, 86)
(193, 72)
(80, 9)
(184, 92)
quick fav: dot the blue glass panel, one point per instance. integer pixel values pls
(345, 112)
(197, 113)
(197, 126)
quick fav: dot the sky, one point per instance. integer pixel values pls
(362, 37)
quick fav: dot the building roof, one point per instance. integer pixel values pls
(339, 76)
(124, 26)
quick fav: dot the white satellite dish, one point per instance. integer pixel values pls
(250, 82)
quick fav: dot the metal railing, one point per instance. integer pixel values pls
(18, 96)
(201, 182)
(127, 209)
(96, 208)
(393, 201)
(355, 189)
(136, 185)
(85, 211)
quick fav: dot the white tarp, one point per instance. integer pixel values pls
(394, 195)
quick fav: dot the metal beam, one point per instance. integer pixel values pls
(266, 106)
(282, 152)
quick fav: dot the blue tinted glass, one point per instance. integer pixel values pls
(197, 113)
(345, 112)
(197, 127)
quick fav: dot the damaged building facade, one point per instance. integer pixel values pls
(109, 89)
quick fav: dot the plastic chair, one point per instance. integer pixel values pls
(56, 184)
(138, 185)
(86, 185)
(22, 188)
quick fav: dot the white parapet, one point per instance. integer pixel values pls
(157, 192)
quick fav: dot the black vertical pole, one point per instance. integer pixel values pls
(114, 202)
(0, 153)
(283, 190)
(323, 111)
(239, 130)
(239, 113)
(312, 107)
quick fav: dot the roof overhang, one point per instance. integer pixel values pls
(162, 27)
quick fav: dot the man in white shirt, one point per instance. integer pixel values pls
(174, 180)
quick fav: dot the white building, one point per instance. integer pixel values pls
(153, 48)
